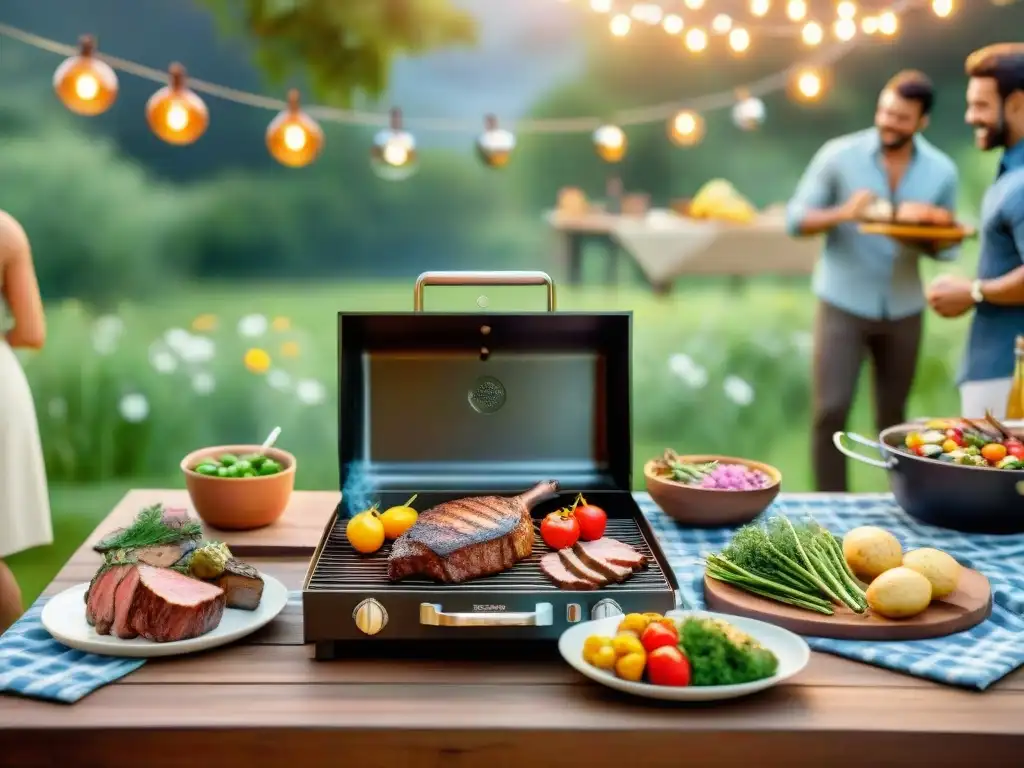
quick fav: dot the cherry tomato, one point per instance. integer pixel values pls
(913, 440)
(592, 519)
(956, 435)
(658, 635)
(560, 529)
(1015, 448)
(993, 452)
(668, 666)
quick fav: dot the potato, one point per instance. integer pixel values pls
(938, 567)
(899, 593)
(871, 551)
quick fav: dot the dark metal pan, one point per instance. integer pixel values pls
(963, 498)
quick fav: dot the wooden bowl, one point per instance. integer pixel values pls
(239, 503)
(711, 507)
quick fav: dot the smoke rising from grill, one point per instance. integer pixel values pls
(359, 490)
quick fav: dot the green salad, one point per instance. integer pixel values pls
(229, 465)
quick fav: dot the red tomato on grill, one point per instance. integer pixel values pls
(560, 529)
(592, 520)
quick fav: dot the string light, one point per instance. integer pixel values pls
(943, 8)
(812, 33)
(846, 9)
(686, 128)
(721, 24)
(175, 113)
(610, 143)
(293, 137)
(808, 84)
(620, 25)
(869, 25)
(739, 40)
(796, 10)
(888, 23)
(749, 113)
(760, 8)
(672, 24)
(495, 145)
(85, 84)
(696, 39)
(694, 5)
(845, 29)
(601, 6)
(393, 155)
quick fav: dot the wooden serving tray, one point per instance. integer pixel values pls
(968, 606)
(923, 232)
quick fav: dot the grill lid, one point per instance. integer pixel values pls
(483, 402)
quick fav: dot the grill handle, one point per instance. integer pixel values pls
(432, 615)
(505, 278)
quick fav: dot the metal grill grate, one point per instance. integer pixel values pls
(340, 568)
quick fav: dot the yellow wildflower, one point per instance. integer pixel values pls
(257, 360)
(281, 324)
(204, 323)
(290, 349)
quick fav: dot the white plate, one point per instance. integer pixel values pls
(791, 649)
(64, 618)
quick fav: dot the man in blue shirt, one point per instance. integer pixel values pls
(995, 108)
(869, 288)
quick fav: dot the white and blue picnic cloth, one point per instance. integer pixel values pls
(975, 658)
(33, 664)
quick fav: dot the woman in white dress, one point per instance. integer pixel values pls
(24, 501)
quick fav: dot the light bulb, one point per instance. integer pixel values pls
(694, 5)
(869, 25)
(696, 39)
(686, 128)
(84, 83)
(888, 23)
(943, 8)
(495, 145)
(845, 29)
(796, 10)
(809, 85)
(739, 40)
(601, 6)
(620, 25)
(673, 24)
(175, 113)
(760, 7)
(610, 143)
(293, 137)
(812, 33)
(846, 9)
(721, 24)
(393, 154)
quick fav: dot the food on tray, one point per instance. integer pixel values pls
(592, 519)
(800, 564)
(592, 564)
(694, 651)
(150, 586)
(941, 569)
(209, 560)
(899, 593)
(398, 520)
(365, 531)
(560, 529)
(229, 465)
(718, 199)
(468, 538)
(962, 441)
(871, 551)
(878, 209)
(909, 212)
(159, 604)
(710, 475)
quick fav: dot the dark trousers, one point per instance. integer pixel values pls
(841, 341)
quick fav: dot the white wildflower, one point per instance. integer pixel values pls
(252, 326)
(177, 339)
(310, 392)
(134, 407)
(279, 380)
(162, 359)
(739, 391)
(203, 383)
(199, 349)
(692, 374)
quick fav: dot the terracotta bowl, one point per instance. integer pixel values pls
(239, 503)
(710, 507)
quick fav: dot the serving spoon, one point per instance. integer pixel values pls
(269, 442)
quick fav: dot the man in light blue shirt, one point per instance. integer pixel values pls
(869, 289)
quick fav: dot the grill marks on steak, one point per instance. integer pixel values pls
(469, 538)
(158, 604)
(592, 564)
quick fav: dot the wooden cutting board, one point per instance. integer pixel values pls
(968, 606)
(921, 232)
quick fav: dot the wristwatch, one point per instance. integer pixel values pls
(976, 292)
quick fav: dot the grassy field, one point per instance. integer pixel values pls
(123, 395)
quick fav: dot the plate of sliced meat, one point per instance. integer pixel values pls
(156, 612)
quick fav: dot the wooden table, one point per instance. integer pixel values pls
(265, 702)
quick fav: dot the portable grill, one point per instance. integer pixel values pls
(450, 405)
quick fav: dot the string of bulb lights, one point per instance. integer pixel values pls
(86, 83)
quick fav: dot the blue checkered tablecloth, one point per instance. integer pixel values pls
(33, 664)
(972, 659)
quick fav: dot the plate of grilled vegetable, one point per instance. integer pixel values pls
(684, 655)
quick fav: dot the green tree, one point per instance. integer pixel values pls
(346, 47)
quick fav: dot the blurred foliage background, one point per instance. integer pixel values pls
(162, 266)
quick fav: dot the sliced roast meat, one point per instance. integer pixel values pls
(611, 571)
(242, 584)
(555, 570)
(166, 555)
(577, 567)
(99, 598)
(167, 605)
(611, 551)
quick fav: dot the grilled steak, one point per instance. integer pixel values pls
(609, 551)
(576, 567)
(611, 571)
(468, 538)
(554, 568)
(242, 584)
(157, 603)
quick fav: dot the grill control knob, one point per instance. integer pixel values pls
(605, 608)
(370, 616)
